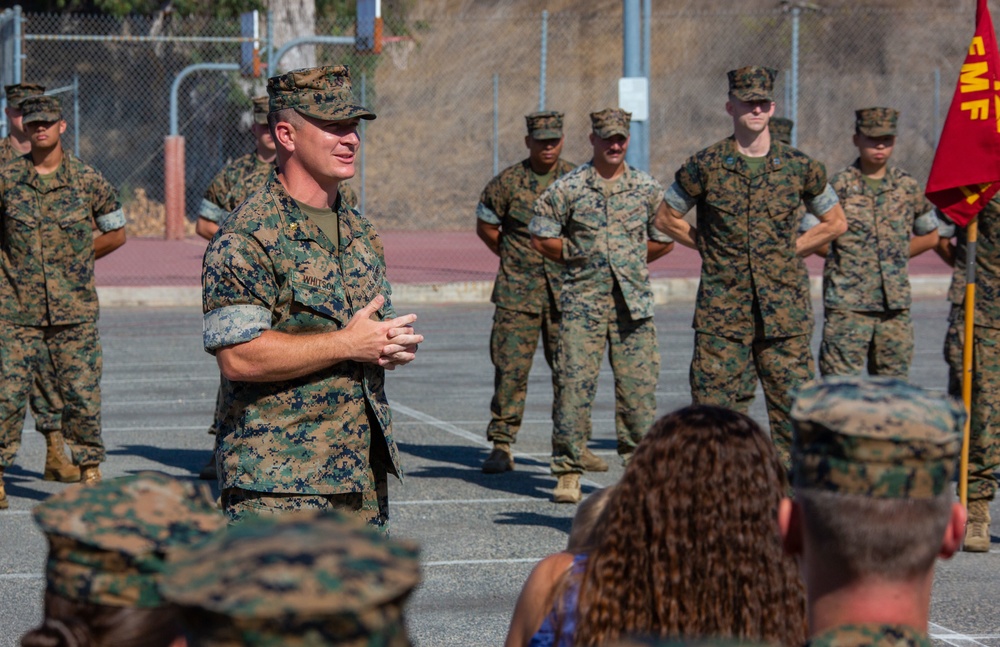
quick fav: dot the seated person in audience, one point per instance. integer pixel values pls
(107, 546)
(872, 465)
(530, 625)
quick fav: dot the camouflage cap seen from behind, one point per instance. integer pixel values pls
(876, 122)
(108, 541)
(875, 436)
(320, 92)
(752, 83)
(303, 578)
(40, 108)
(781, 129)
(21, 91)
(610, 122)
(545, 125)
(260, 110)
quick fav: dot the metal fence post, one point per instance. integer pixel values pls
(543, 60)
(364, 128)
(18, 57)
(793, 107)
(496, 123)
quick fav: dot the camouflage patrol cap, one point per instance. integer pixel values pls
(260, 110)
(878, 437)
(21, 91)
(108, 541)
(302, 578)
(610, 122)
(781, 129)
(752, 83)
(40, 108)
(545, 125)
(320, 92)
(876, 122)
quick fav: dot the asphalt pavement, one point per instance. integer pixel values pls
(480, 534)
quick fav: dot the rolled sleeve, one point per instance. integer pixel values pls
(111, 221)
(678, 199)
(234, 325)
(486, 214)
(946, 228)
(211, 211)
(925, 223)
(823, 202)
(546, 222)
(808, 222)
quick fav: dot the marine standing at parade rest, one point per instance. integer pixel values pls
(50, 204)
(598, 221)
(45, 402)
(298, 314)
(526, 290)
(866, 283)
(984, 423)
(872, 464)
(753, 310)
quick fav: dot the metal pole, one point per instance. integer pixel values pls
(647, 19)
(632, 67)
(271, 67)
(544, 59)
(76, 114)
(361, 193)
(793, 104)
(306, 40)
(496, 123)
(176, 86)
(18, 58)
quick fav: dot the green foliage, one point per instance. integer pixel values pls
(213, 8)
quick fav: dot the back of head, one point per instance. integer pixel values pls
(690, 538)
(107, 546)
(299, 580)
(585, 532)
(872, 463)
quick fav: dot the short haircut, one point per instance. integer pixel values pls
(893, 539)
(288, 115)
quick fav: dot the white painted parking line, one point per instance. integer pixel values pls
(22, 576)
(954, 638)
(471, 437)
(160, 380)
(481, 562)
(518, 500)
(106, 402)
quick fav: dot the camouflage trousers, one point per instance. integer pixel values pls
(372, 506)
(220, 410)
(75, 351)
(984, 423)
(512, 350)
(45, 402)
(882, 339)
(635, 362)
(724, 372)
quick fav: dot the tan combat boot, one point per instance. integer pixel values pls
(90, 474)
(57, 466)
(4, 504)
(977, 531)
(499, 460)
(567, 489)
(592, 462)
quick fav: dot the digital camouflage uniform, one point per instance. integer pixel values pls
(866, 284)
(781, 129)
(324, 439)
(44, 401)
(108, 540)
(606, 298)
(984, 441)
(48, 302)
(526, 290)
(878, 438)
(753, 309)
(341, 583)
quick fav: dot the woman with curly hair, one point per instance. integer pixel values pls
(690, 542)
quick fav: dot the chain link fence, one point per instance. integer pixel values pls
(451, 91)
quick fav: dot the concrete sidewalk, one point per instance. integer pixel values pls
(424, 267)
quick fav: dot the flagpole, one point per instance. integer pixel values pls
(971, 234)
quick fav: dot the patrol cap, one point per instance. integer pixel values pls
(260, 110)
(302, 578)
(21, 91)
(545, 125)
(781, 129)
(752, 83)
(875, 436)
(108, 541)
(40, 108)
(320, 92)
(876, 122)
(610, 122)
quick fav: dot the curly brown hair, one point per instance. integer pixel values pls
(691, 544)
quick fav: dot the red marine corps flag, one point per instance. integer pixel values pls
(966, 169)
